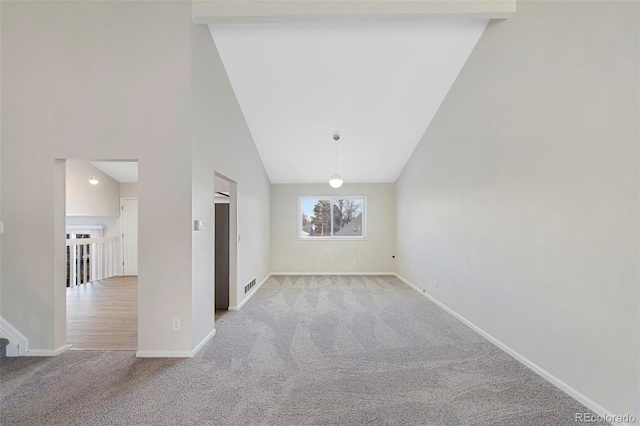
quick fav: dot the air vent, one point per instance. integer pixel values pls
(250, 285)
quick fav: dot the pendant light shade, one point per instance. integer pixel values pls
(335, 181)
(93, 180)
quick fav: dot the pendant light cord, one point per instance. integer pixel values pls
(336, 157)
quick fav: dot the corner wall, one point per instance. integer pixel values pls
(129, 190)
(522, 199)
(222, 143)
(95, 80)
(289, 254)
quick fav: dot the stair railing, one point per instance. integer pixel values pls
(91, 259)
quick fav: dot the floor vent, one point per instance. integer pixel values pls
(250, 285)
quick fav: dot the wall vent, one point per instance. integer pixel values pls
(250, 285)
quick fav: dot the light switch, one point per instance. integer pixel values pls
(198, 225)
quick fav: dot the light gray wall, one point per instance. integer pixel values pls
(129, 190)
(522, 197)
(85, 199)
(290, 254)
(95, 80)
(222, 143)
(111, 224)
(132, 100)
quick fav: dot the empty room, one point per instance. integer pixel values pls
(347, 212)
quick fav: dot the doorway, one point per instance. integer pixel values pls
(222, 256)
(101, 217)
(225, 208)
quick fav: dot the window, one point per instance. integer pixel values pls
(332, 218)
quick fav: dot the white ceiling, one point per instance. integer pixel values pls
(378, 84)
(122, 171)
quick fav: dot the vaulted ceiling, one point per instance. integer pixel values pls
(122, 171)
(379, 84)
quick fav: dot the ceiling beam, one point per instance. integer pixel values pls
(246, 11)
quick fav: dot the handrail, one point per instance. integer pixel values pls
(96, 240)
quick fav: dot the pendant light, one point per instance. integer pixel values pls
(93, 180)
(336, 180)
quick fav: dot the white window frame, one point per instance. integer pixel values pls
(331, 198)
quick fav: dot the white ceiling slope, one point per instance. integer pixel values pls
(379, 84)
(122, 171)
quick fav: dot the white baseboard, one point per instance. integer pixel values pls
(47, 352)
(203, 342)
(177, 354)
(250, 294)
(575, 394)
(333, 273)
(164, 354)
(18, 343)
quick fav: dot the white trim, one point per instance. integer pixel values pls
(82, 227)
(334, 273)
(203, 342)
(334, 238)
(302, 198)
(120, 243)
(164, 354)
(249, 295)
(48, 352)
(85, 241)
(177, 354)
(18, 343)
(234, 235)
(215, 12)
(573, 393)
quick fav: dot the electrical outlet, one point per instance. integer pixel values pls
(176, 324)
(355, 261)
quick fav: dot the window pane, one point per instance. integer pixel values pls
(316, 218)
(347, 217)
(332, 218)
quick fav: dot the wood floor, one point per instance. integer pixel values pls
(103, 314)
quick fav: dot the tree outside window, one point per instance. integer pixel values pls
(324, 218)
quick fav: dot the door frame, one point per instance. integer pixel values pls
(233, 241)
(221, 211)
(121, 248)
(59, 268)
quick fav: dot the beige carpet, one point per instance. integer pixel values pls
(304, 350)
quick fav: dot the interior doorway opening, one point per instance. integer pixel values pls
(225, 245)
(100, 217)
